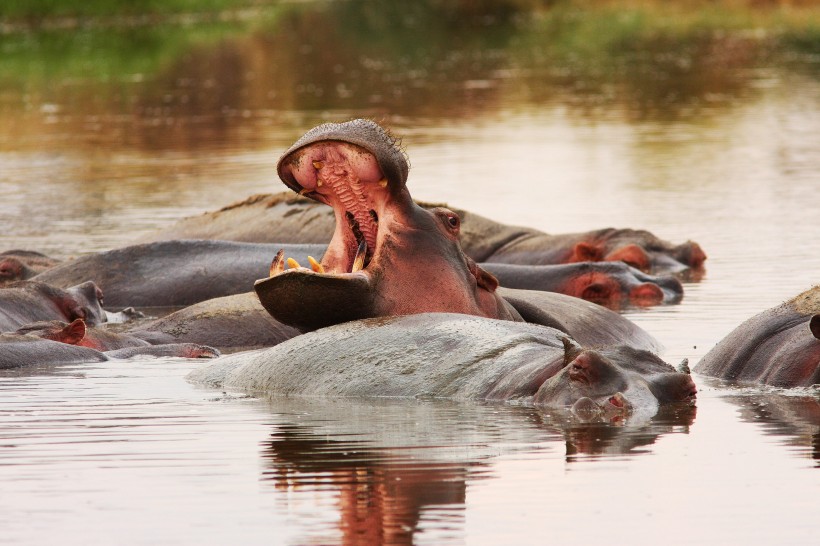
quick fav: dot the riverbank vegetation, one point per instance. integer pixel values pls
(419, 57)
(40, 12)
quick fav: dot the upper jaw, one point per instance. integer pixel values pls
(355, 180)
(361, 133)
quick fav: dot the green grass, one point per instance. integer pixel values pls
(37, 10)
(686, 44)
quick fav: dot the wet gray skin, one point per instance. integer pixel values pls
(442, 355)
(56, 342)
(778, 347)
(387, 256)
(29, 301)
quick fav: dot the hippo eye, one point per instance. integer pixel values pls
(453, 221)
(450, 220)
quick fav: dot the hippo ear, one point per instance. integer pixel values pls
(585, 252)
(73, 333)
(814, 326)
(485, 280)
(571, 350)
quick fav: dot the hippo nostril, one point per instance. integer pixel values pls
(646, 294)
(597, 293)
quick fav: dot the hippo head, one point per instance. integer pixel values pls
(57, 330)
(85, 302)
(387, 256)
(612, 382)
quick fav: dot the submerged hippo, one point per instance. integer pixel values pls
(20, 265)
(443, 355)
(612, 284)
(231, 323)
(113, 344)
(49, 344)
(25, 302)
(173, 273)
(185, 272)
(290, 219)
(239, 322)
(778, 347)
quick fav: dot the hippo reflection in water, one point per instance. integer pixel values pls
(454, 356)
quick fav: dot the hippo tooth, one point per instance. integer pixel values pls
(318, 165)
(358, 261)
(383, 182)
(278, 264)
(293, 264)
(315, 266)
(318, 182)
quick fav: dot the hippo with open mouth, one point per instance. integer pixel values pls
(387, 256)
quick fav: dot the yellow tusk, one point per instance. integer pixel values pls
(318, 182)
(358, 261)
(316, 266)
(293, 264)
(383, 182)
(318, 164)
(277, 265)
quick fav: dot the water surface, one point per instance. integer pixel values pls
(109, 135)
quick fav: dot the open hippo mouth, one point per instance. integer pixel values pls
(387, 256)
(357, 169)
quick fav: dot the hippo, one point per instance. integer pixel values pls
(172, 273)
(778, 347)
(24, 302)
(30, 351)
(12, 269)
(387, 255)
(20, 265)
(288, 218)
(372, 266)
(114, 344)
(239, 322)
(456, 356)
(231, 323)
(185, 272)
(34, 349)
(612, 284)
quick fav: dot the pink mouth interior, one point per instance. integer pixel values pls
(348, 178)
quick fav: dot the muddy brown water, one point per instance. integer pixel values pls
(128, 452)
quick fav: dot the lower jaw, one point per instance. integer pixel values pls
(308, 301)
